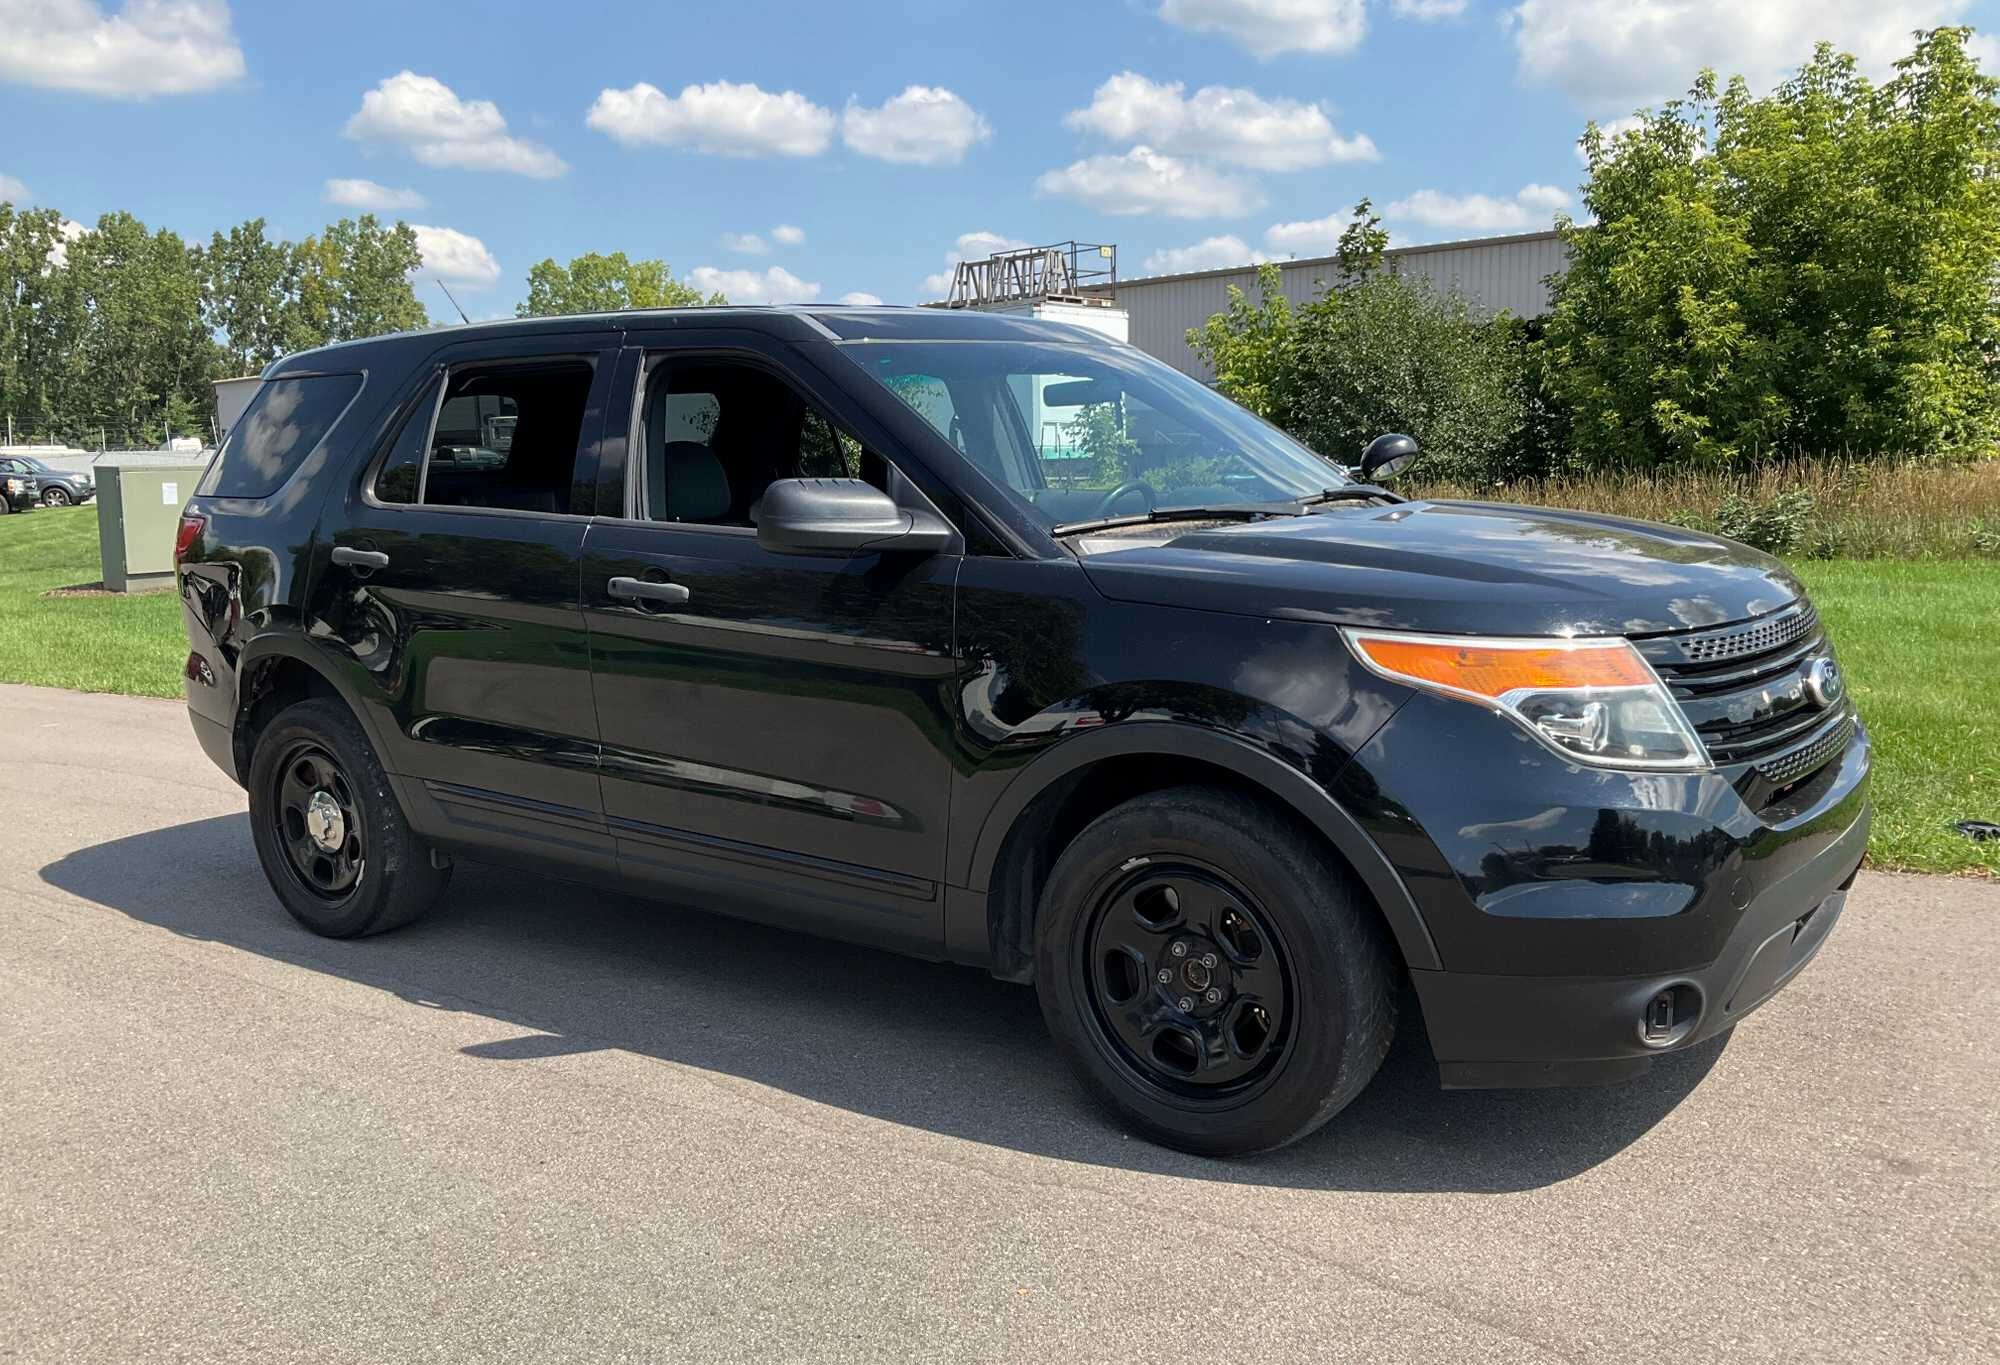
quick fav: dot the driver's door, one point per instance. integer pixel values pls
(774, 726)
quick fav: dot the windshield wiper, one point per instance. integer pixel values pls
(1244, 511)
(1351, 492)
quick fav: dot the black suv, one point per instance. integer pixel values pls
(991, 640)
(19, 488)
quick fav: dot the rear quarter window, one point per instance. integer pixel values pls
(285, 422)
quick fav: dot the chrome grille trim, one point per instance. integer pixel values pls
(1716, 671)
(1781, 770)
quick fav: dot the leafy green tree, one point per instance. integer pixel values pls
(1808, 272)
(1248, 346)
(251, 295)
(144, 342)
(1374, 352)
(354, 281)
(596, 283)
(39, 321)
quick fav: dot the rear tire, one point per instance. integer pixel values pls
(329, 830)
(1212, 973)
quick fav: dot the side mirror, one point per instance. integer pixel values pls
(841, 516)
(1387, 456)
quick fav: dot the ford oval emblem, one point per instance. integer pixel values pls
(1824, 682)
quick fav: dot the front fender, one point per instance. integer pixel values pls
(976, 850)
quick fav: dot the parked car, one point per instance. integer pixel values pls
(775, 612)
(59, 487)
(19, 490)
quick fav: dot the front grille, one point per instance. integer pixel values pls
(1743, 687)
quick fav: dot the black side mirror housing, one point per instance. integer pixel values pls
(843, 516)
(1387, 456)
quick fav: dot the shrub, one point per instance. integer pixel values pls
(1809, 271)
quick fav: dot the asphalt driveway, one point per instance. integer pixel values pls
(550, 1124)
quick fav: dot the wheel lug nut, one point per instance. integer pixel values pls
(1208, 959)
(1214, 994)
(1185, 1003)
(1166, 975)
(1178, 950)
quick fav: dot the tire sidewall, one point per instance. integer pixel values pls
(322, 724)
(1316, 1074)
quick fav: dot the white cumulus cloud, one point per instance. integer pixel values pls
(1612, 55)
(1307, 236)
(1210, 253)
(969, 246)
(1219, 122)
(149, 47)
(366, 194)
(860, 298)
(745, 244)
(775, 285)
(13, 191)
(1427, 11)
(1268, 27)
(1146, 181)
(426, 118)
(1530, 207)
(787, 235)
(722, 118)
(455, 257)
(66, 232)
(923, 126)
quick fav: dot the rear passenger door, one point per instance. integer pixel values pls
(449, 590)
(775, 727)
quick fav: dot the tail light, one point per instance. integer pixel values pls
(192, 525)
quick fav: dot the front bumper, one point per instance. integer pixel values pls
(1564, 902)
(1538, 1031)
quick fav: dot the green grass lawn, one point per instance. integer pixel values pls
(112, 643)
(1917, 639)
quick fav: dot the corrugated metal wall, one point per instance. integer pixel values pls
(1497, 273)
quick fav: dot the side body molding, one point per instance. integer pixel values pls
(977, 853)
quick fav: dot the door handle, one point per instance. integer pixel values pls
(360, 559)
(639, 590)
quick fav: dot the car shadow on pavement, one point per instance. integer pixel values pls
(566, 969)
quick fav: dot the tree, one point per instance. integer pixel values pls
(595, 283)
(1807, 272)
(354, 281)
(252, 285)
(143, 343)
(1374, 352)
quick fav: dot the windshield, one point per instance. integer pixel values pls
(1080, 431)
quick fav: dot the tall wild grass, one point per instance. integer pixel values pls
(1815, 509)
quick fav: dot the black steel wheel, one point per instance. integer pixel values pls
(330, 832)
(1187, 980)
(55, 497)
(1212, 971)
(318, 822)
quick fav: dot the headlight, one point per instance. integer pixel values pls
(1595, 701)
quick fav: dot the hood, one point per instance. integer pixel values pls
(1454, 568)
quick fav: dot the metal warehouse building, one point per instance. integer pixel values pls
(1495, 273)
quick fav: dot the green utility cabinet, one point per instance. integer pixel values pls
(138, 515)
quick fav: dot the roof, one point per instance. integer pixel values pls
(1308, 262)
(796, 322)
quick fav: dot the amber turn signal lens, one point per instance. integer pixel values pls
(1493, 670)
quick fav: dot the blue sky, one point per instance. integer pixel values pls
(884, 135)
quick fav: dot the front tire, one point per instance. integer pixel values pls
(329, 831)
(54, 497)
(1212, 973)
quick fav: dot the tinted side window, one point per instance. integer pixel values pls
(399, 479)
(286, 421)
(717, 433)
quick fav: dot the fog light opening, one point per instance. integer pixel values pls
(1669, 1015)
